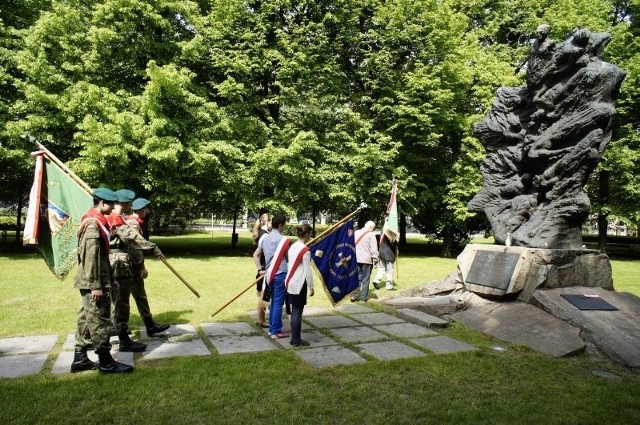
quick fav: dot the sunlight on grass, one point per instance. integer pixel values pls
(516, 386)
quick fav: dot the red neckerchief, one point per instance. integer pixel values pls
(362, 235)
(115, 220)
(103, 225)
(137, 219)
(295, 265)
(135, 223)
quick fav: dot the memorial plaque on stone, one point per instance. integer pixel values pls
(493, 269)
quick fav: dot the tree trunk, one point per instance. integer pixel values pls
(603, 195)
(403, 229)
(234, 235)
(19, 219)
(447, 242)
(602, 232)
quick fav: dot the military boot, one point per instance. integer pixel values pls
(81, 362)
(127, 344)
(154, 328)
(109, 365)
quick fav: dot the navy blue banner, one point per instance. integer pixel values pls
(335, 259)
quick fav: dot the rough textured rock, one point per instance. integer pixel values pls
(615, 333)
(521, 323)
(544, 140)
(541, 268)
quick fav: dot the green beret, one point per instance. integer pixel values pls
(105, 194)
(139, 204)
(125, 195)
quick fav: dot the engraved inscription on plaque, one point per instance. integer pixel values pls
(493, 269)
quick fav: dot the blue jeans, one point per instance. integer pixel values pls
(277, 301)
(364, 275)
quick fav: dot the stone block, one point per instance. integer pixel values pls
(420, 318)
(615, 333)
(329, 356)
(521, 323)
(534, 268)
(405, 330)
(443, 344)
(389, 350)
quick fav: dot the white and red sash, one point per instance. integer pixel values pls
(362, 236)
(281, 250)
(294, 266)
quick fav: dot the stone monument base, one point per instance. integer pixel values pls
(516, 271)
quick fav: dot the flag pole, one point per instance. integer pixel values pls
(62, 166)
(237, 296)
(335, 225)
(86, 187)
(166, 263)
(311, 242)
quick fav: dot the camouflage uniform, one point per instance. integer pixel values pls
(137, 282)
(125, 244)
(94, 324)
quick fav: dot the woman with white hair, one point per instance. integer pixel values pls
(366, 256)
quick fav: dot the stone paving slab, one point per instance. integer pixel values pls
(315, 338)
(22, 365)
(329, 356)
(228, 328)
(358, 334)
(286, 327)
(70, 342)
(317, 311)
(405, 330)
(125, 357)
(421, 318)
(377, 318)
(330, 322)
(242, 344)
(172, 332)
(162, 350)
(443, 344)
(64, 360)
(236, 337)
(389, 350)
(27, 344)
(354, 309)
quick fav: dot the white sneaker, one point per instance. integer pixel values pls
(389, 286)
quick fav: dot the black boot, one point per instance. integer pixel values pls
(127, 344)
(109, 365)
(81, 362)
(154, 328)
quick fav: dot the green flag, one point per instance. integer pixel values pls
(390, 228)
(56, 204)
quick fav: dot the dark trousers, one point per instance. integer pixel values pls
(296, 323)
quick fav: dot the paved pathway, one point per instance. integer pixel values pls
(349, 334)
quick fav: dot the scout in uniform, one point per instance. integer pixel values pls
(123, 240)
(94, 280)
(136, 222)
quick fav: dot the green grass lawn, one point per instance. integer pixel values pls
(516, 386)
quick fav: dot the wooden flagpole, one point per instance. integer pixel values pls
(311, 242)
(63, 167)
(166, 263)
(86, 187)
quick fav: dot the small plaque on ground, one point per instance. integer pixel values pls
(588, 302)
(493, 269)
